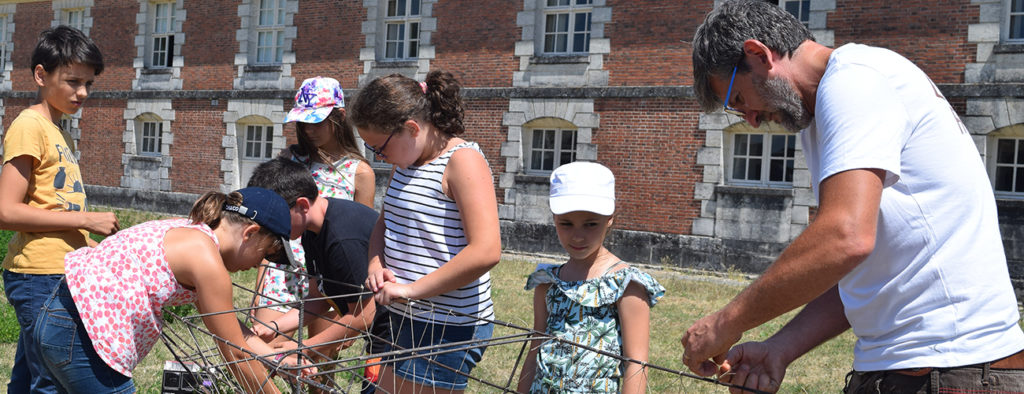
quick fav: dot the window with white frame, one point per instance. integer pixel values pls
(567, 26)
(74, 17)
(402, 29)
(161, 35)
(761, 159)
(1015, 21)
(270, 31)
(1009, 165)
(65, 123)
(546, 149)
(151, 138)
(801, 9)
(258, 142)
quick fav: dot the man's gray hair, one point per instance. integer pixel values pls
(718, 42)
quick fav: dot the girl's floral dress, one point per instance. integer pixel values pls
(584, 312)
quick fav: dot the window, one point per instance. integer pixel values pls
(65, 123)
(762, 159)
(1009, 175)
(567, 26)
(3, 42)
(151, 138)
(801, 9)
(1015, 20)
(270, 32)
(162, 51)
(402, 29)
(549, 148)
(74, 18)
(258, 142)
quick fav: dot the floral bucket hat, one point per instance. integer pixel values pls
(315, 100)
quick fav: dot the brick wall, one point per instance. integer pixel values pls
(329, 38)
(933, 34)
(210, 44)
(651, 146)
(102, 125)
(475, 40)
(198, 130)
(29, 20)
(651, 43)
(483, 126)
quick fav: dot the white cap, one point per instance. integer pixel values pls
(582, 186)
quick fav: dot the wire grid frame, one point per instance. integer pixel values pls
(193, 345)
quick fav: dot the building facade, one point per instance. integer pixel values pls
(195, 92)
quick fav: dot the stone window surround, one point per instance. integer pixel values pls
(375, 30)
(60, 5)
(531, 61)
(245, 58)
(712, 156)
(8, 47)
(163, 110)
(149, 78)
(234, 121)
(75, 131)
(579, 112)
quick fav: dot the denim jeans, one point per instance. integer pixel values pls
(67, 351)
(26, 293)
(449, 365)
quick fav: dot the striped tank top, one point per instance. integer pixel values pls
(423, 231)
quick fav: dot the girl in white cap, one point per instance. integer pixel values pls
(594, 299)
(106, 314)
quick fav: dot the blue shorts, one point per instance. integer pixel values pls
(443, 367)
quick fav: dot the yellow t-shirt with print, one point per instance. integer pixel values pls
(55, 184)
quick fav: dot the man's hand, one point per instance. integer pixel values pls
(755, 365)
(705, 345)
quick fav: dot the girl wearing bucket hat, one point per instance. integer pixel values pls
(106, 314)
(591, 295)
(327, 147)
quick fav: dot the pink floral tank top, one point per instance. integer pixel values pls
(121, 287)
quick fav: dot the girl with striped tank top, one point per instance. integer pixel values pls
(438, 236)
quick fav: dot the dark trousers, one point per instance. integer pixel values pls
(972, 379)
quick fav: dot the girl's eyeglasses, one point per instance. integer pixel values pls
(379, 152)
(728, 96)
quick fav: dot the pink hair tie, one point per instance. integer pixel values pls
(423, 85)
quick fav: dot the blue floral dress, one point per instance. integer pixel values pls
(584, 312)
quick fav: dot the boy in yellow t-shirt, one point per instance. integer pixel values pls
(42, 195)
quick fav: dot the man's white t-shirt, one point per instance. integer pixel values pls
(935, 292)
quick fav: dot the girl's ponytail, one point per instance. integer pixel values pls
(209, 208)
(387, 102)
(446, 105)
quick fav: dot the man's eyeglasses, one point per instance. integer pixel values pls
(728, 96)
(379, 152)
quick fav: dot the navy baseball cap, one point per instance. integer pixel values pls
(266, 208)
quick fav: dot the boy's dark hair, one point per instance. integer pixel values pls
(64, 46)
(285, 177)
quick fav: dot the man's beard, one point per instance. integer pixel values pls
(778, 92)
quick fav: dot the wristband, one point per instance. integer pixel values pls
(277, 329)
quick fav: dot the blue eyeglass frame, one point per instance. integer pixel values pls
(379, 152)
(728, 96)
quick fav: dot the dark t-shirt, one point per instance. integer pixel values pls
(338, 254)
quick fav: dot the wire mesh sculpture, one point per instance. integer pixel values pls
(199, 367)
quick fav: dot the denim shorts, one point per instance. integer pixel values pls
(67, 351)
(444, 367)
